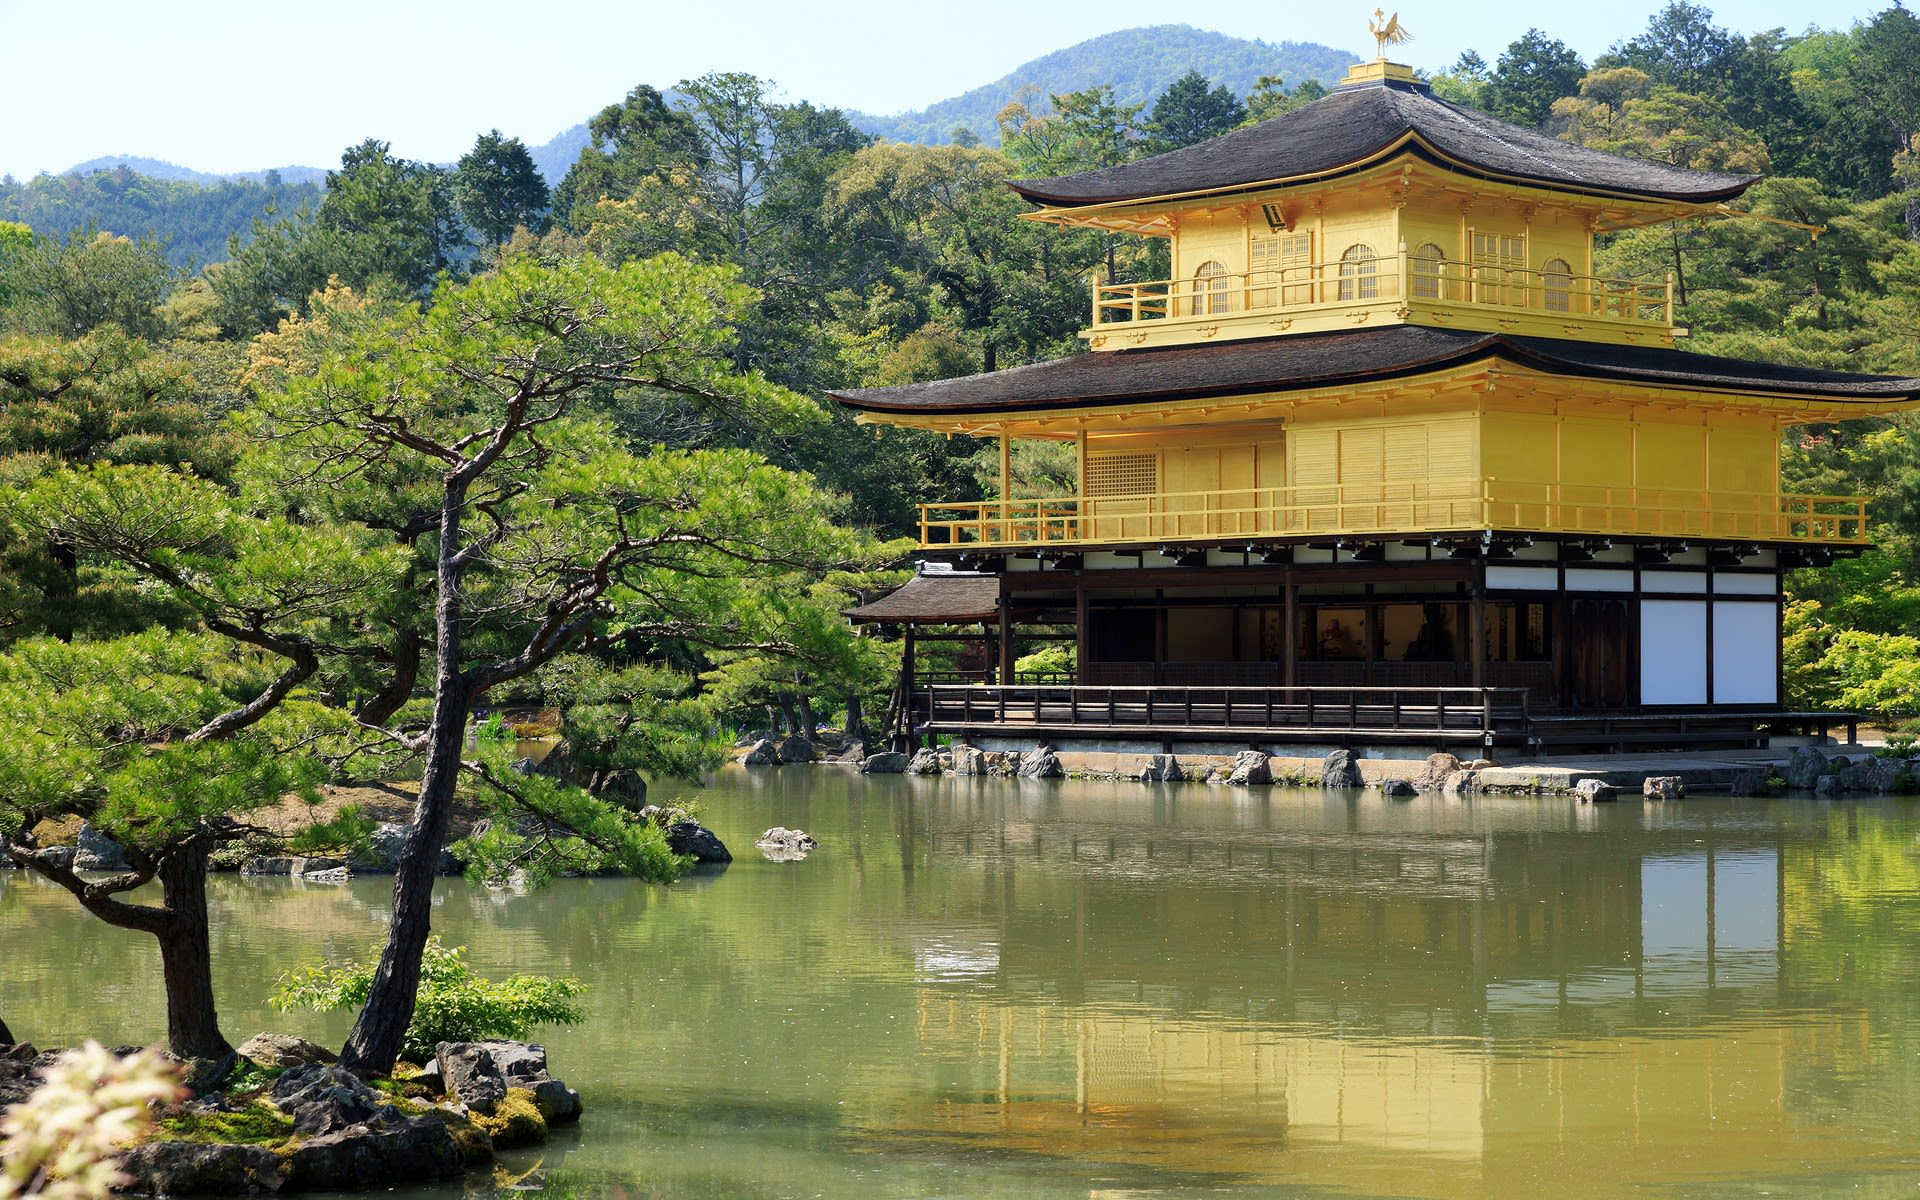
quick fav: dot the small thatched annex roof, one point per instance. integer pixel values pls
(941, 599)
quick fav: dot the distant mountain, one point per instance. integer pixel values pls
(1139, 63)
(154, 168)
(555, 158)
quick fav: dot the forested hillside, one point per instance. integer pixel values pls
(869, 261)
(1138, 64)
(191, 220)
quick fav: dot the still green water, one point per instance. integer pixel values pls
(1015, 988)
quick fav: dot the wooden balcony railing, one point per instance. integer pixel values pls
(1398, 507)
(1392, 277)
(1470, 715)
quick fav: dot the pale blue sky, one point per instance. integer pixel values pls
(232, 85)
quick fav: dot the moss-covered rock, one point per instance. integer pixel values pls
(515, 1121)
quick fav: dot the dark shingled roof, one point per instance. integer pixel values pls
(935, 600)
(1360, 124)
(1293, 362)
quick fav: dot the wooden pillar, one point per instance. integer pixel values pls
(1290, 655)
(1006, 635)
(1477, 623)
(1159, 635)
(906, 689)
(1082, 646)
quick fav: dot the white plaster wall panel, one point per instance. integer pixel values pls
(1744, 585)
(1746, 653)
(1694, 582)
(1586, 579)
(1525, 579)
(1673, 652)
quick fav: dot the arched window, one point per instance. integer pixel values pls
(1556, 281)
(1357, 278)
(1210, 290)
(1428, 261)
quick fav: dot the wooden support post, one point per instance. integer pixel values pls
(1159, 635)
(1290, 636)
(1006, 637)
(1006, 487)
(1477, 620)
(1081, 646)
(906, 688)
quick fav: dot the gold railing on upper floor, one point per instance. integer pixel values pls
(1387, 278)
(1398, 507)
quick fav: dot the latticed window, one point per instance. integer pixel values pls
(1133, 474)
(1556, 282)
(1499, 261)
(1210, 294)
(1359, 277)
(1285, 260)
(1428, 261)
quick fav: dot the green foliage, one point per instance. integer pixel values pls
(497, 189)
(1189, 112)
(257, 1123)
(1532, 72)
(343, 832)
(454, 1004)
(87, 281)
(192, 221)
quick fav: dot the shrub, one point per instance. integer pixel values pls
(454, 1004)
(59, 1143)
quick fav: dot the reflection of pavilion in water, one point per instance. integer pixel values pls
(1429, 1016)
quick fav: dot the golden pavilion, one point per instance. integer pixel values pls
(1385, 462)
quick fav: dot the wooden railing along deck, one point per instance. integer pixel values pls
(1395, 507)
(1389, 277)
(1420, 714)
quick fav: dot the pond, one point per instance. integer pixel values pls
(1031, 988)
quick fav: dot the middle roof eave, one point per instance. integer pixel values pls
(1299, 361)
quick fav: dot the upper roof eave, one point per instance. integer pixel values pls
(1359, 125)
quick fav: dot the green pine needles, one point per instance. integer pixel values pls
(454, 1004)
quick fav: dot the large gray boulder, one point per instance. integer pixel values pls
(319, 1081)
(686, 835)
(285, 1050)
(967, 760)
(471, 1075)
(481, 1068)
(387, 1149)
(96, 851)
(1338, 770)
(1663, 787)
(1434, 775)
(1040, 763)
(58, 857)
(886, 763)
(1593, 791)
(781, 844)
(1804, 768)
(1162, 768)
(796, 749)
(1748, 781)
(1250, 767)
(924, 762)
(201, 1168)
